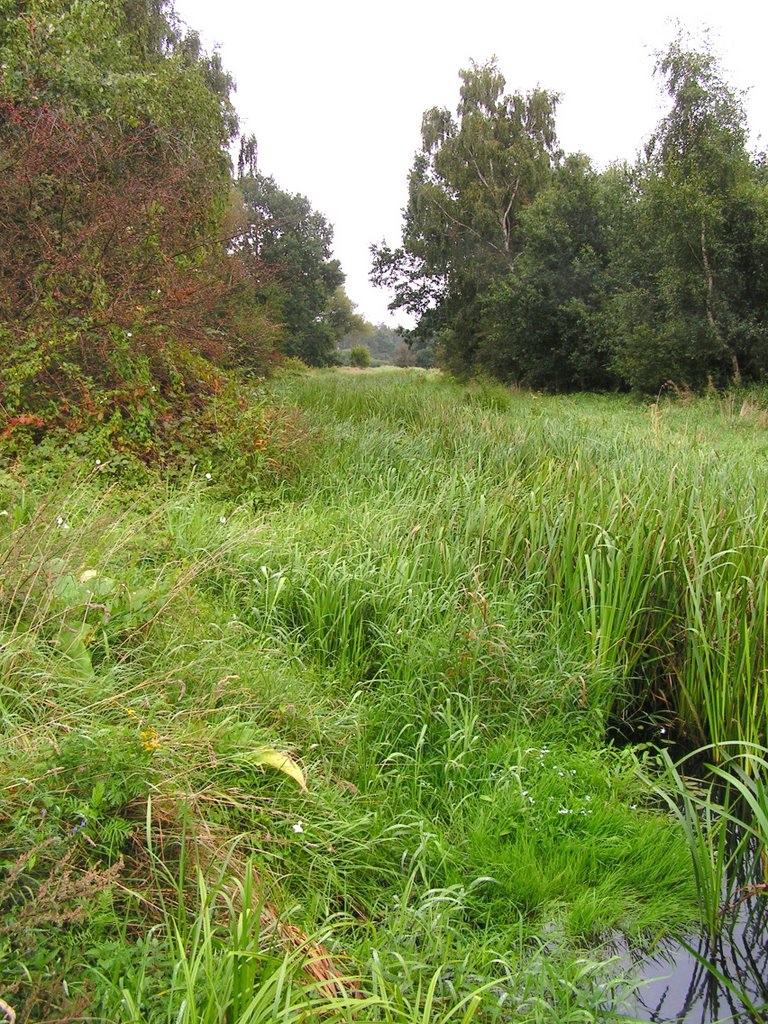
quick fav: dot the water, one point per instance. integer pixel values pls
(677, 985)
(679, 989)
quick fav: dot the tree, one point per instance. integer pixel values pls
(692, 303)
(384, 343)
(341, 316)
(468, 186)
(119, 296)
(294, 242)
(544, 320)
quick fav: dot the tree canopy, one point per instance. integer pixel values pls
(538, 269)
(136, 274)
(305, 284)
(138, 271)
(691, 303)
(469, 183)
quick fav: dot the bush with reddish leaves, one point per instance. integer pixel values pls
(118, 299)
(125, 302)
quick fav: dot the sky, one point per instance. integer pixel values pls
(334, 91)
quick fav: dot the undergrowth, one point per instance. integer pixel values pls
(345, 743)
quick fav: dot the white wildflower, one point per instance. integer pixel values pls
(298, 827)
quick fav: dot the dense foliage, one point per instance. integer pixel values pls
(338, 724)
(468, 185)
(305, 290)
(387, 346)
(137, 282)
(114, 284)
(537, 269)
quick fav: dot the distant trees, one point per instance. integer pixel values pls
(537, 269)
(414, 351)
(340, 314)
(360, 357)
(304, 290)
(388, 346)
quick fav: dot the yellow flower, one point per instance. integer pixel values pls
(149, 739)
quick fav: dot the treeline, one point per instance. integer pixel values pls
(138, 271)
(386, 346)
(535, 268)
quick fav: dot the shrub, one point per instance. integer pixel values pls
(123, 300)
(360, 357)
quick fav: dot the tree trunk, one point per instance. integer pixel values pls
(710, 306)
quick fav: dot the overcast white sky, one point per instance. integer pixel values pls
(334, 90)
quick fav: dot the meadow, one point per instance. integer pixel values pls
(378, 738)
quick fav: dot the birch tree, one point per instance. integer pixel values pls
(473, 175)
(694, 304)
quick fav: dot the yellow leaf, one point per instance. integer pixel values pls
(281, 761)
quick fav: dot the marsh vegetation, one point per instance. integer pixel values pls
(373, 696)
(381, 736)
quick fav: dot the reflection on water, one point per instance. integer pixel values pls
(678, 988)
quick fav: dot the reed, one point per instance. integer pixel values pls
(647, 544)
(724, 819)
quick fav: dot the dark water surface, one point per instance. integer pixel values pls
(679, 989)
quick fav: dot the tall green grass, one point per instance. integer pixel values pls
(644, 532)
(437, 623)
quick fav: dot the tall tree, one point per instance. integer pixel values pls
(693, 303)
(340, 315)
(469, 183)
(544, 319)
(295, 243)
